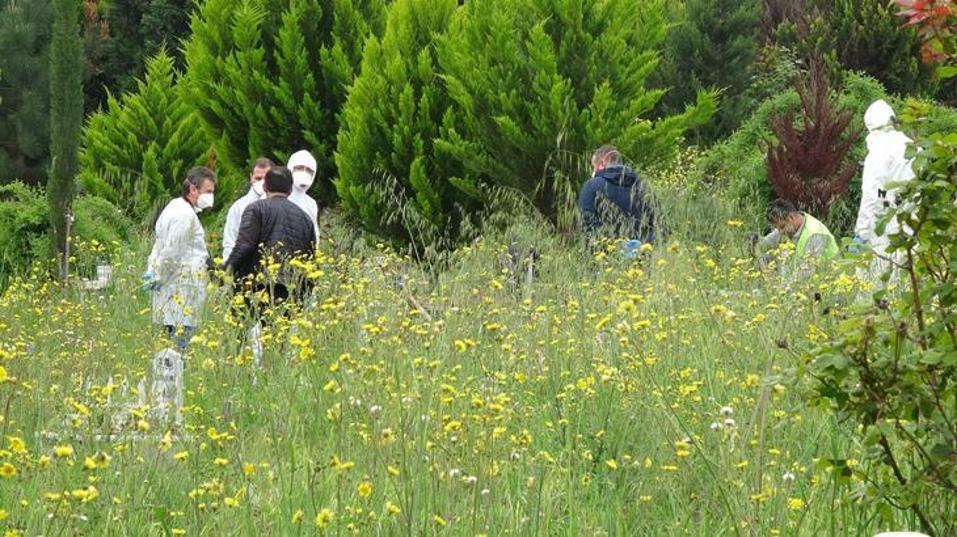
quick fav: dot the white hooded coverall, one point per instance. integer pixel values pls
(301, 183)
(178, 260)
(234, 218)
(885, 165)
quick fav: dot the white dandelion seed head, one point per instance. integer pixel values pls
(726, 411)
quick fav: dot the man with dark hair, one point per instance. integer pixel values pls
(235, 214)
(627, 193)
(813, 242)
(273, 227)
(176, 270)
(273, 231)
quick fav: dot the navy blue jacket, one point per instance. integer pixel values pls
(621, 186)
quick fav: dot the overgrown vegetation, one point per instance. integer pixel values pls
(526, 89)
(807, 163)
(466, 364)
(136, 152)
(268, 77)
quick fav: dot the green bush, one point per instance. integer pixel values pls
(268, 77)
(865, 36)
(25, 230)
(521, 91)
(136, 152)
(891, 367)
(713, 44)
(389, 179)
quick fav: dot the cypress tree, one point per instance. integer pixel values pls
(535, 82)
(136, 151)
(66, 117)
(448, 118)
(389, 178)
(268, 77)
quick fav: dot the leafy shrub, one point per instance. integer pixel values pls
(508, 101)
(892, 365)
(808, 163)
(25, 229)
(268, 77)
(137, 151)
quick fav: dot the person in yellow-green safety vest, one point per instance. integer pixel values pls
(813, 242)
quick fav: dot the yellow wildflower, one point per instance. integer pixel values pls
(324, 518)
(8, 470)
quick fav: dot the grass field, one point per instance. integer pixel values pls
(608, 397)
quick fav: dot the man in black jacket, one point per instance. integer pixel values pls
(632, 213)
(272, 229)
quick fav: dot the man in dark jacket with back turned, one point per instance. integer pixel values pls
(621, 186)
(273, 227)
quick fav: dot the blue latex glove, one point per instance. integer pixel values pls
(150, 281)
(630, 249)
(857, 245)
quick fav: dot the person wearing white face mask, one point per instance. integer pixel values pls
(176, 270)
(235, 214)
(303, 167)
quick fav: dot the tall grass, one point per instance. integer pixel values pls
(607, 397)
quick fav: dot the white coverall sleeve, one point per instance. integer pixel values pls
(872, 180)
(172, 238)
(231, 230)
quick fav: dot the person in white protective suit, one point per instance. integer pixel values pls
(178, 264)
(885, 168)
(303, 167)
(235, 214)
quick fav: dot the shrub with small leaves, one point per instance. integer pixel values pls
(892, 365)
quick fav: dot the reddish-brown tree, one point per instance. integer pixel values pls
(807, 163)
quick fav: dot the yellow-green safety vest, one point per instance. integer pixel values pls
(813, 226)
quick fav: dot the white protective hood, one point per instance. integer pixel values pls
(878, 116)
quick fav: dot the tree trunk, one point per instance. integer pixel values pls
(66, 120)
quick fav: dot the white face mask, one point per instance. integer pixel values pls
(259, 187)
(204, 201)
(302, 180)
